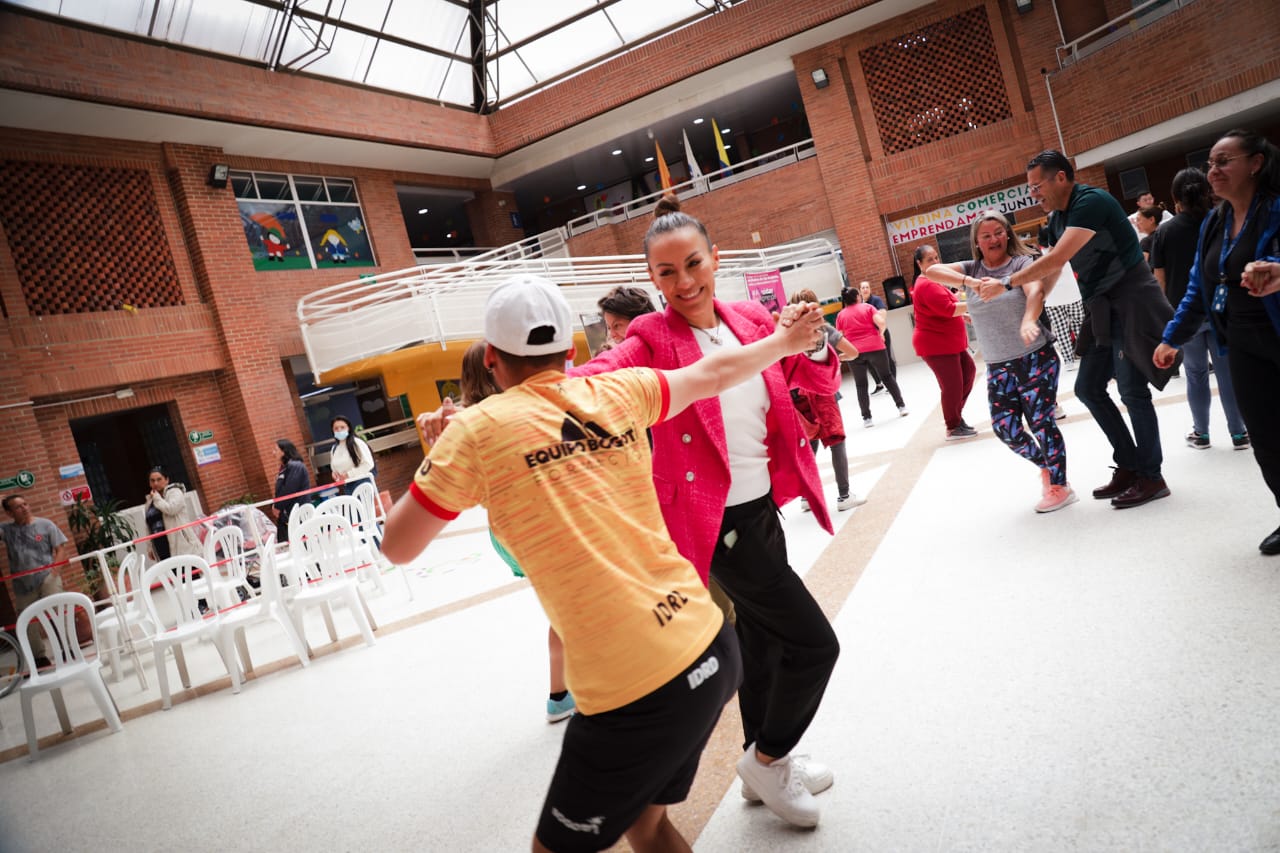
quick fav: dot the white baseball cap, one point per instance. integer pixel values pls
(522, 304)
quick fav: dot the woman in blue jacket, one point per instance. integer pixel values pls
(1244, 171)
(292, 477)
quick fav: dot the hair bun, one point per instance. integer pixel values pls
(667, 204)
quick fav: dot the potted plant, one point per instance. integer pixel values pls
(97, 526)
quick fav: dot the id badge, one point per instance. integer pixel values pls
(1220, 297)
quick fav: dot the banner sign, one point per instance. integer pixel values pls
(766, 288)
(1006, 201)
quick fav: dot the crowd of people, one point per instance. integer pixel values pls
(689, 431)
(722, 467)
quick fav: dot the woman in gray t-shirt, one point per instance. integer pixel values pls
(1022, 367)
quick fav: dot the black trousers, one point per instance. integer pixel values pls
(893, 362)
(1255, 373)
(788, 647)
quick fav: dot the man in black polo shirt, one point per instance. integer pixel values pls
(1125, 313)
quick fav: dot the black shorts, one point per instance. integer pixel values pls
(615, 764)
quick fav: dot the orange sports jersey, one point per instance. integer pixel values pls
(564, 468)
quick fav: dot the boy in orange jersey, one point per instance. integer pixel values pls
(564, 469)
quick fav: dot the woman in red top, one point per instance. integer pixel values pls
(863, 325)
(940, 339)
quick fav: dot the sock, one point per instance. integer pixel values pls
(556, 697)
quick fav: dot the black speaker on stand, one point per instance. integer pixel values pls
(895, 292)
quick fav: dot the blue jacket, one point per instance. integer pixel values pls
(1197, 303)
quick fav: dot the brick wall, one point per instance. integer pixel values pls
(1113, 93)
(44, 56)
(490, 216)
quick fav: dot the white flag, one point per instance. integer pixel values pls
(695, 174)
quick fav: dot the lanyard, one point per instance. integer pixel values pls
(1229, 244)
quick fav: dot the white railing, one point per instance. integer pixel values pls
(1119, 27)
(433, 304)
(644, 205)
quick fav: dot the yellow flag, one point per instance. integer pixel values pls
(724, 155)
(662, 168)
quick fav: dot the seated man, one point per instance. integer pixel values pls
(565, 471)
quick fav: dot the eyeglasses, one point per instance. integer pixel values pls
(1035, 188)
(1221, 162)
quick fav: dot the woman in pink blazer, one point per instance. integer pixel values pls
(722, 468)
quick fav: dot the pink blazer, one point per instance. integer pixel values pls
(690, 457)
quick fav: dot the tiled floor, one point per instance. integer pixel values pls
(1093, 679)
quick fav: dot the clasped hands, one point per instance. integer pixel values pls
(807, 319)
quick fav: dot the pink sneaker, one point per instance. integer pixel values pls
(1056, 497)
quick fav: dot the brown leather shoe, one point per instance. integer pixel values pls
(1121, 479)
(1143, 490)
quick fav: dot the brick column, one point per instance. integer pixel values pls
(841, 158)
(255, 389)
(490, 216)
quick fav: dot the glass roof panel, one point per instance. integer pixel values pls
(246, 34)
(433, 23)
(366, 13)
(517, 21)
(636, 19)
(567, 48)
(329, 46)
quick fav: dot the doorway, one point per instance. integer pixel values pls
(118, 450)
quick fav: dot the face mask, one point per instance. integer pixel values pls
(341, 435)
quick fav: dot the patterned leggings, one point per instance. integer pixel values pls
(1026, 389)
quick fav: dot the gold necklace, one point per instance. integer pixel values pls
(714, 337)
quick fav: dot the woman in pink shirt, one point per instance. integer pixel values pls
(863, 324)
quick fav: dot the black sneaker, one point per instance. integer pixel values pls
(1199, 440)
(1241, 441)
(877, 389)
(960, 432)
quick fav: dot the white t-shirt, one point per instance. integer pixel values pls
(1066, 291)
(743, 408)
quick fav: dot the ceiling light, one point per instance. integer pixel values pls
(697, 121)
(582, 186)
(422, 210)
(617, 151)
(648, 159)
(724, 130)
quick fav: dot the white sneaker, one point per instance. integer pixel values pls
(804, 505)
(867, 423)
(849, 502)
(816, 775)
(903, 412)
(781, 787)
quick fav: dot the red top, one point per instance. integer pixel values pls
(938, 330)
(858, 325)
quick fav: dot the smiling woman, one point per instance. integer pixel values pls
(722, 468)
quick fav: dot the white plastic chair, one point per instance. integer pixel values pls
(268, 604)
(131, 618)
(56, 615)
(367, 494)
(365, 527)
(176, 586)
(325, 548)
(224, 552)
